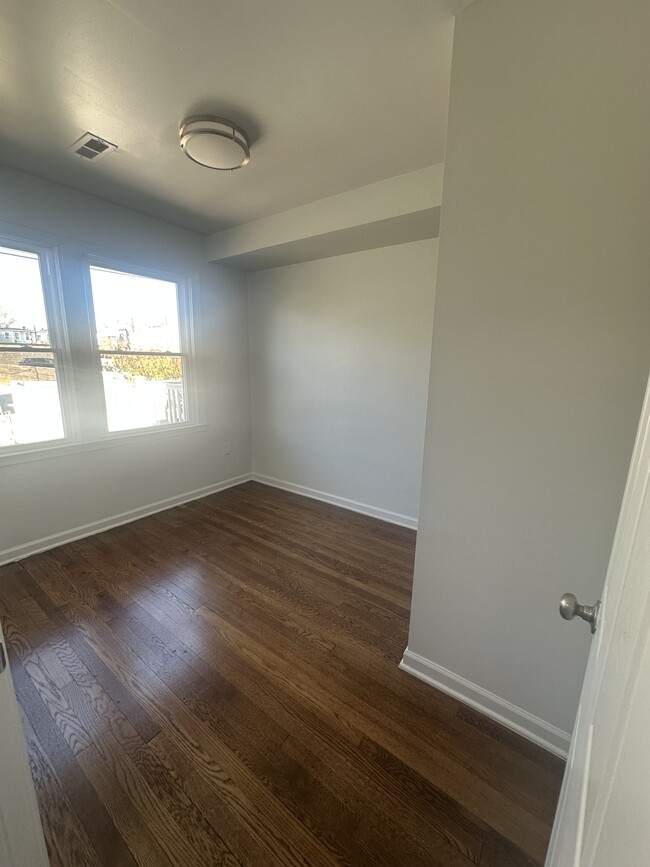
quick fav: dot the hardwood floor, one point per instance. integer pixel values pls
(217, 685)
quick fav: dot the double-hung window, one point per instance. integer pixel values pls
(138, 338)
(89, 350)
(31, 408)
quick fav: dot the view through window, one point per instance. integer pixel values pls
(30, 406)
(50, 386)
(138, 337)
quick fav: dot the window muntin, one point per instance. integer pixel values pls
(138, 333)
(30, 399)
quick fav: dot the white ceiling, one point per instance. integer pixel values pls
(334, 94)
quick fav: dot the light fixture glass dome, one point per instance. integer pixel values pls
(215, 143)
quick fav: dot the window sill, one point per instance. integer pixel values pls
(56, 449)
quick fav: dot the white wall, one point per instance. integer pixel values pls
(540, 347)
(46, 497)
(340, 352)
(393, 211)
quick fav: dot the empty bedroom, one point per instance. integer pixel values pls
(323, 351)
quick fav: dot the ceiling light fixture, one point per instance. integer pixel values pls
(215, 142)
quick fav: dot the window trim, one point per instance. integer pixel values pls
(57, 321)
(48, 449)
(59, 341)
(62, 260)
(187, 348)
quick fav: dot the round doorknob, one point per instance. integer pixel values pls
(570, 608)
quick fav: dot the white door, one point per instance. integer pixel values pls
(603, 817)
(21, 834)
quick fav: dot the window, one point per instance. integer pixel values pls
(139, 342)
(30, 401)
(89, 351)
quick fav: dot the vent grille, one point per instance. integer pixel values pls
(91, 147)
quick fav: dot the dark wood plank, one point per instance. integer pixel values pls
(252, 735)
(502, 853)
(265, 818)
(132, 765)
(110, 683)
(51, 696)
(217, 685)
(242, 609)
(97, 824)
(511, 817)
(139, 837)
(66, 838)
(344, 761)
(215, 809)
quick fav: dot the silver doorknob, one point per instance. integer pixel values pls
(570, 608)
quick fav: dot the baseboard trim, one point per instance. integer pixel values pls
(532, 727)
(46, 542)
(343, 502)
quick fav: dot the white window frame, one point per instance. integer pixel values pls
(184, 301)
(67, 293)
(60, 344)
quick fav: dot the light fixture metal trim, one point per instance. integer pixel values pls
(210, 125)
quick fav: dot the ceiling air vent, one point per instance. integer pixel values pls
(91, 147)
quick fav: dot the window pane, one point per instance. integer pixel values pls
(143, 390)
(30, 410)
(22, 311)
(135, 313)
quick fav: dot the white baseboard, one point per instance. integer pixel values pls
(532, 727)
(343, 502)
(9, 555)
(46, 542)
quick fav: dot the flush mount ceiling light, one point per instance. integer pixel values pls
(215, 142)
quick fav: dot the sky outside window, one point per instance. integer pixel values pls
(21, 292)
(135, 313)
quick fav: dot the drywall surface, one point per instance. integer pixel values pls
(401, 229)
(540, 347)
(51, 496)
(403, 195)
(340, 352)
